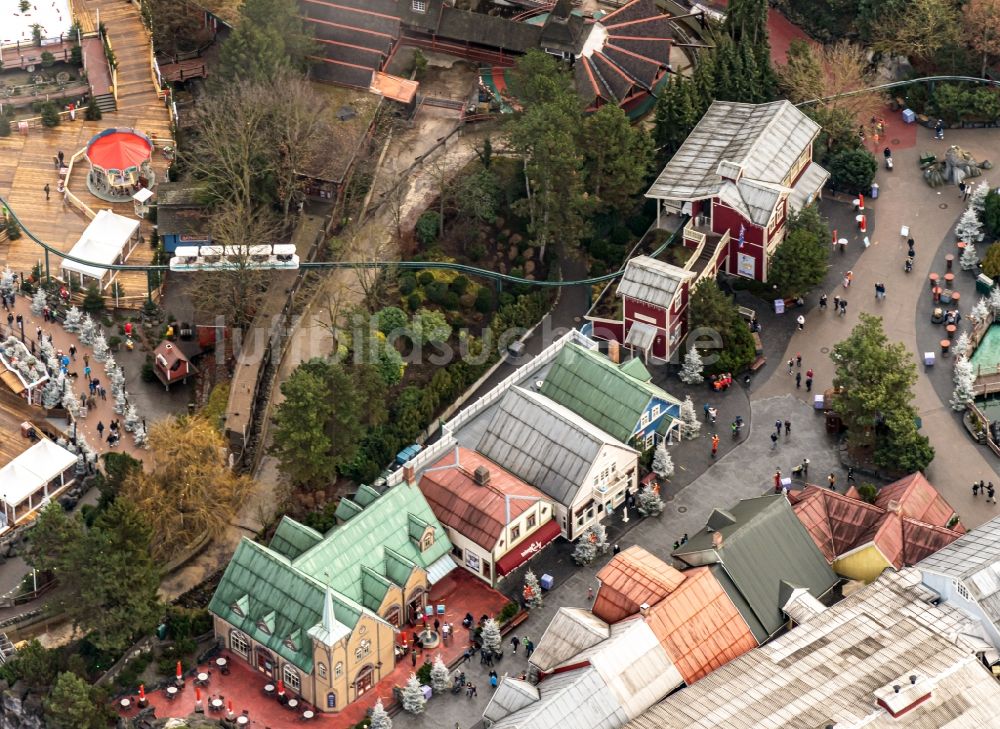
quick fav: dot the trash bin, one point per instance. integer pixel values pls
(984, 284)
(874, 190)
(909, 116)
(546, 582)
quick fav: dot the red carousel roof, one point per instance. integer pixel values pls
(118, 149)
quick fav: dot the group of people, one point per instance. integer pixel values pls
(722, 382)
(114, 432)
(778, 425)
(986, 488)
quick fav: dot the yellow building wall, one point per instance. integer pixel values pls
(866, 564)
(343, 663)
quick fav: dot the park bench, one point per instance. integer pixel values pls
(758, 363)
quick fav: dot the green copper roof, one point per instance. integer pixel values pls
(292, 539)
(635, 369)
(276, 594)
(383, 537)
(274, 603)
(599, 391)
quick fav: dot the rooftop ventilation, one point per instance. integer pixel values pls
(481, 475)
(904, 694)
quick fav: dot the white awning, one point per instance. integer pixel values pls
(807, 189)
(101, 243)
(641, 335)
(440, 568)
(32, 469)
(143, 195)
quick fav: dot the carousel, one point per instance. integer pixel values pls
(120, 164)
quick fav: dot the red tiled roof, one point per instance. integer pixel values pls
(840, 523)
(917, 498)
(477, 512)
(835, 521)
(698, 625)
(630, 579)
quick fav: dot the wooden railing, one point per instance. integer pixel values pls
(977, 413)
(68, 196)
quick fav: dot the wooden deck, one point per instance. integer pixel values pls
(27, 162)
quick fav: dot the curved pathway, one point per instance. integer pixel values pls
(906, 200)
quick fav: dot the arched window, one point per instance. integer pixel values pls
(331, 700)
(366, 647)
(291, 677)
(239, 644)
(358, 654)
(338, 670)
(321, 670)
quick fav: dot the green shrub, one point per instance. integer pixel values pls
(4, 126)
(476, 252)
(868, 493)
(413, 301)
(93, 301)
(428, 226)
(50, 114)
(436, 292)
(424, 674)
(391, 318)
(13, 228)
(48, 60)
(76, 56)
(509, 610)
(407, 284)
(853, 170)
(484, 300)
(460, 285)
(425, 277)
(148, 373)
(93, 112)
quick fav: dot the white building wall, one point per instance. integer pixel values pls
(949, 591)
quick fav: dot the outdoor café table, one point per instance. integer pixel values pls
(292, 703)
(242, 720)
(933, 279)
(308, 714)
(203, 677)
(269, 689)
(171, 692)
(949, 278)
(220, 662)
(950, 329)
(125, 703)
(217, 704)
(949, 260)
(955, 296)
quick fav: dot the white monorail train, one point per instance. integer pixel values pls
(220, 258)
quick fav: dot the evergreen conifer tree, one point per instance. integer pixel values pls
(73, 320)
(690, 425)
(649, 503)
(663, 464)
(969, 258)
(440, 679)
(380, 717)
(100, 346)
(88, 330)
(969, 228)
(693, 371)
(965, 379)
(39, 301)
(532, 591)
(490, 637)
(413, 696)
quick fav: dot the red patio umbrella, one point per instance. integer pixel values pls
(180, 673)
(142, 692)
(229, 705)
(197, 695)
(281, 687)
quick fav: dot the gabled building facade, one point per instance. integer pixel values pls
(617, 398)
(743, 169)
(585, 471)
(496, 522)
(321, 612)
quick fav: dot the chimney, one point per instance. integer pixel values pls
(613, 351)
(169, 346)
(481, 475)
(904, 694)
(894, 507)
(717, 539)
(409, 475)
(644, 608)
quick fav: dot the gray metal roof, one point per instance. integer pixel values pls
(754, 200)
(543, 443)
(511, 695)
(571, 631)
(641, 335)
(581, 694)
(652, 280)
(807, 187)
(827, 671)
(763, 544)
(974, 560)
(763, 139)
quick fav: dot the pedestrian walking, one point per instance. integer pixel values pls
(514, 643)
(831, 482)
(939, 130)
(707, 409)
(801, 321)
(104, 394)
(529, 647)
(777, 426)
(100, 429)
(982, 486)
(616, 549)
(822, 302)
(843, 307)
(805, 467)
(46, 188)
(774, 441)
(809, 383)
(798, 360)
(715, 444)
(968, 190)
(798, 380)
(850, 474)
(86, 372)
(836, 304)
(791, 365)
(975, 488)
(788, 428)
(590, 594)
(72, 352)
(990, 493)
(777, 481)
(86, 359)
(809, 373)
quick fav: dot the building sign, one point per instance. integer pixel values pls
(527, 549)
(746, 265)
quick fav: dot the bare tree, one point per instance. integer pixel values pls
(302, 128)
(236, 292)
(981, 25)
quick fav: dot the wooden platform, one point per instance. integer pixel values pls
(27, 162)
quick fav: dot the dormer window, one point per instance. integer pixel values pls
(262, 627)
(290, 644)
(241, 607)
(419, 6)
(427, 541)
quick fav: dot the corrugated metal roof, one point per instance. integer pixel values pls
(544, 443)
(973, 552)
(764, 139)
(570, 632)
(765, 545)
(631, 578)
(636, 369)
(512, 695)
(754, 200)
(439, 568)
(807, 187)
(474, 511)
(917, 499)
(641, 335)
(378, 537)
(597, 389)
(581, 694)
(825, 671)
(651, 280)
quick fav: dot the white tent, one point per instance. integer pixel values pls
(109, 239)
(33, 477)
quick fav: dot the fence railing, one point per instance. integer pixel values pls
(68, 196)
